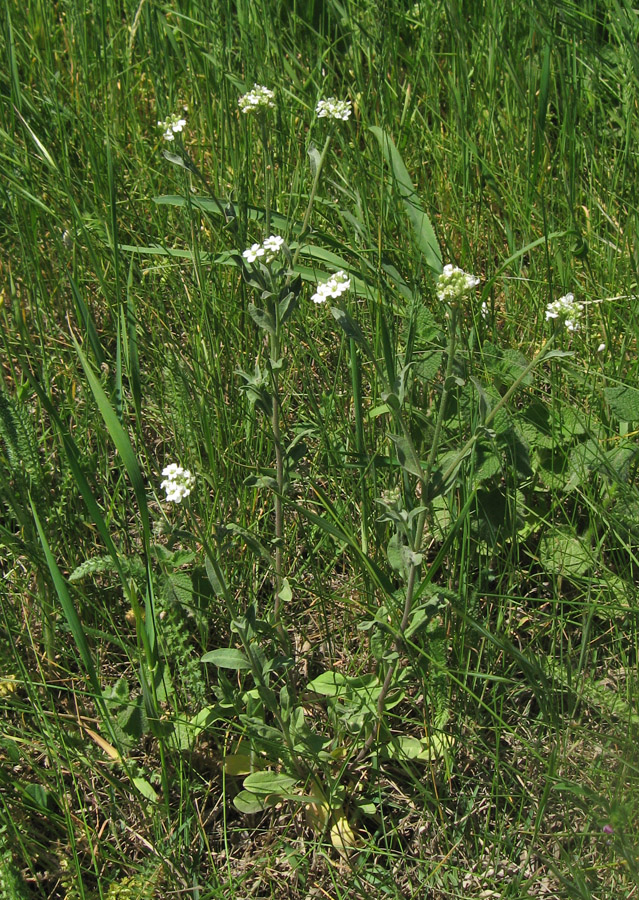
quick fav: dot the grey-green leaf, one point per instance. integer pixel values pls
(406, 455)
(563, 553)
(623, 401)
(261, 318)
(351, 329)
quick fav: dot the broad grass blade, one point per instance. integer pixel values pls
(424, 233)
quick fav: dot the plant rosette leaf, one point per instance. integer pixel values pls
(564, 553)
(269, 783)
(404, 746)
(238, 764)
(227, 658)
(623, 401)
(343, 837)
(437, 747)
(248, 803)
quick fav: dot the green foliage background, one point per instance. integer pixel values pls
(123, 336)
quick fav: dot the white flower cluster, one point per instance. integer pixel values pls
(454, 283)
(566, 308)
(337, 284)
(259, 96)
(177, 483)
(266, 251)
(171, 126)
(333, 109)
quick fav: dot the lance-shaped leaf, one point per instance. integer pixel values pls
(407, 455)
(262, 318)
(351, 329)
(421, 224)
(227, 658)
(269, 783)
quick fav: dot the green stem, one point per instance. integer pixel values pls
(279, 475)
(417, 540)
(267, 194)
(442, 404)
(266, 695)
(275, 419)
(311, 198)
(356, 381)
(497, 408)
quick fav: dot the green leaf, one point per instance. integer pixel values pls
(145, 788)
(88, 323)
(335, 525)
(119, 438)
(329, 684)
(220, 207)
(394, 554)
(351, 329)
(563, 553)
(556, 354)
(73, 457)
(439, 747)
(321, 254)
(406, 455)
(422, 228)
(133, 357)
(288, 303)
(252, 541)
(248, 803)
(514, 363)
(262, 318)
(69, 610)
(214, 579)
(176, 160)
(40, 796)
(227, 658)
(405, 747)
(623, 401)
(314, 158)
(428, 364)
(269, 783)
(285, 594)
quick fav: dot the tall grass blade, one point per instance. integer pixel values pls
(423, 230)
(68, 608)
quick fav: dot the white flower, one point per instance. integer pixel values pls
(454, 283)
(269, 249)
(177, 483)
(253, 253)
(272, 246)
(333, 109)
(601, 347)
(273, 243)
(566, 308)
(259, 96)
(171, 126)
(336, 285)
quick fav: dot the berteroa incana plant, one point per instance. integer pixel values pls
(282, 752)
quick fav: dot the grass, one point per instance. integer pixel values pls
(410, 553)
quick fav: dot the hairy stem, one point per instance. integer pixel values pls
(311, 196)
(275, 418)
(279, 475)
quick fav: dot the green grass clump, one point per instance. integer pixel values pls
(386, 643)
